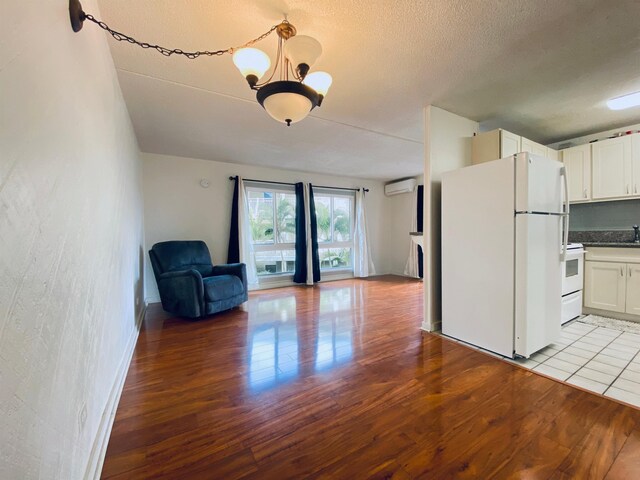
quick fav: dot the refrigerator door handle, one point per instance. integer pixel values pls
(565, 219)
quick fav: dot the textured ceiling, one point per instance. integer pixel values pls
(541, 68)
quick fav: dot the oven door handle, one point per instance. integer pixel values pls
(571, 254)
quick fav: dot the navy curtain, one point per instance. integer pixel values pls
(233, 253)
(419, 225)
(314, 236)
(300, 274)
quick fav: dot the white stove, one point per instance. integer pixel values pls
(572, 282)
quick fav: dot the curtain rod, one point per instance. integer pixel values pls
(263, 181)
(341, 188)
(286, 183)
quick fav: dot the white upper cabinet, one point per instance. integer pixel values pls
(553, 154)
(538, 149)
(500, 143)
(533, 147)
(612, 168)
(635, 163)
(577, 161)
(604, 170)
(510, 144)
(493, 145)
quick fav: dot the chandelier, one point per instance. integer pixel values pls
(289, 93)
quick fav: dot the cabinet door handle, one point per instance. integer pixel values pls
(585, 193)
(630, 270)
(622, 271)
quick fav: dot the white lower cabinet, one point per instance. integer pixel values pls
(605, 286)
(612, 280)
(633, 289)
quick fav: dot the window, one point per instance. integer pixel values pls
(272, 216)
(335, 216)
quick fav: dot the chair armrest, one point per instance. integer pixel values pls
(192, 272)
(237, 269)
(183, 291)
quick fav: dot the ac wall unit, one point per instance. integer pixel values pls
(403, 186)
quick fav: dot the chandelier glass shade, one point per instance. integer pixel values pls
(290, 98)
(302, 51)
(286, 101)
(320, 82)
(251, 61)
(288, 94)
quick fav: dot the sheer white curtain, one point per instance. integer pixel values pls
(247, 255)
(411, 267)
(362, 263)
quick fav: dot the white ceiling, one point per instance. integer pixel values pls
(541, 68)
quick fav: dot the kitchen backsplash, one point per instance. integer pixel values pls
(619, 215)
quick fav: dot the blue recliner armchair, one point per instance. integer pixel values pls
(190, 285)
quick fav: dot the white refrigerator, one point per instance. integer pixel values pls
(504, 233)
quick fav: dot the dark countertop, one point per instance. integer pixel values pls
(611, 244)
(604, 238)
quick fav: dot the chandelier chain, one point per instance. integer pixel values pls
(167, 52)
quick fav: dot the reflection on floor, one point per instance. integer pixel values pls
(273, 345)
(337, 381)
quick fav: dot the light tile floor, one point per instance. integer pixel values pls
(603, 360)
(600, 359)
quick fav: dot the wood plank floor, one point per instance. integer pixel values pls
(337, 381)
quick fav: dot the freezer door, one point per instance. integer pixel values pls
(538, 184)
(538, 282)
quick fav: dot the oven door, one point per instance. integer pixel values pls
(572, 272)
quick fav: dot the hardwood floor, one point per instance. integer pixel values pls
(337, 381)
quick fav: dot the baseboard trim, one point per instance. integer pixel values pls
(436, 327)
(609, 314)
(99, 449)
(404, 275)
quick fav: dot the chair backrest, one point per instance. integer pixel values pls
(180, 255)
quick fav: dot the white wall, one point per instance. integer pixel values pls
(178, 208)
(70, 240)
(447, 147)
(399, 214)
